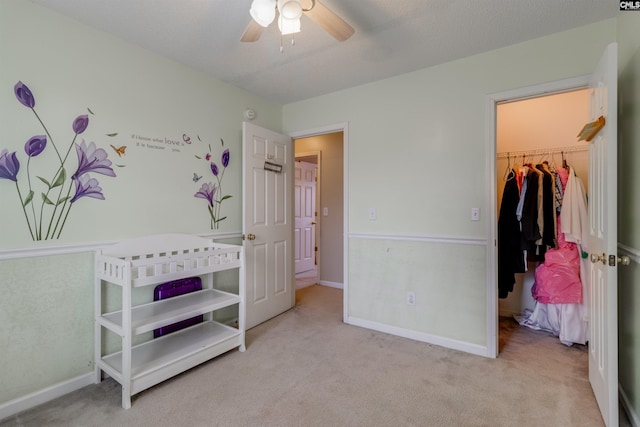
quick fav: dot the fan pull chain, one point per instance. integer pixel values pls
(293, 42)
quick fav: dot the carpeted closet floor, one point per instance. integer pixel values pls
(307, 368)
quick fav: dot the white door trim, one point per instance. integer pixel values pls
(491, 102)
(344, 128)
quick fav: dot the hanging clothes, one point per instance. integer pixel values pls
(529, 219)
(557, 279)
(560, 287)
(575, 219)
(548, 192)
(510, 254)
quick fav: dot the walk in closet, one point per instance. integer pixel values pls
(541, 133)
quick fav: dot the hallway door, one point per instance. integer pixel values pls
(267, 165)
(305, 216)
(603, 236)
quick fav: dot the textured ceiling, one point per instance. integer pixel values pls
(391, 37)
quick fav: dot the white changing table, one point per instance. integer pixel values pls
(151, 260)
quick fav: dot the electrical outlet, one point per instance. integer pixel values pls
(411, 298)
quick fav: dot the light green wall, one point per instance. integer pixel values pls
(46, 312)
(46, 308)
(417, 155)
(391, 268)
(629, 203)
(69, 68)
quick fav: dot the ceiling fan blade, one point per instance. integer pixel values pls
(252, 33)
(329, 21)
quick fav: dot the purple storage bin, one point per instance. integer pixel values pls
(172, 289)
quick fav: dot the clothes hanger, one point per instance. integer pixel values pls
(545, 161)
(564, 161)
(507, 172)
(552, 165)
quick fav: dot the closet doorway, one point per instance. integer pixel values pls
(533, 131)
(601, 231)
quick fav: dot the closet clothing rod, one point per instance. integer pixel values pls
(543, 151)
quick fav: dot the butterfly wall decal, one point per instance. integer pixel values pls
(196, 178)
(119, 150)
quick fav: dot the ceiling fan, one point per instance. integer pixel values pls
(263, 13)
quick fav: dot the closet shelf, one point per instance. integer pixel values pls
(542, 151)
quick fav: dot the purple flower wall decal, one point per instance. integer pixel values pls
(80, 124)
(9, 165)
(24, 95)
(35, 145)
(207, 192)
(215, 197)
(52, 195)
(92, 159)
(87, 187)
(225, 158)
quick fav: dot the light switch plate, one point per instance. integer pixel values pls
(475, 214)
(373, 215)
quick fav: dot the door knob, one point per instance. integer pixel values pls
(624, 260)
(595, 258)
(251, 236)
(313, 223)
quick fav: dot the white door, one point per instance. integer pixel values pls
(267, 225)
(304, 212)
(603, 291)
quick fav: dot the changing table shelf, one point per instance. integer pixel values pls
(157, 360)
(147, 317)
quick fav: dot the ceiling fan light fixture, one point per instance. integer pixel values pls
(288, 26)
(263, 11)
(290, 9)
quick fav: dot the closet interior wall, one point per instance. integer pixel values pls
(533, 126)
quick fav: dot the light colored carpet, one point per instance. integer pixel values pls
(307, 368)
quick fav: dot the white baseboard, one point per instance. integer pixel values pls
(39, 397)
(476, 349)
(626, 405)
(331, 284)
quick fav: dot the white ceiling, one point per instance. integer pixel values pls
(391, 37)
